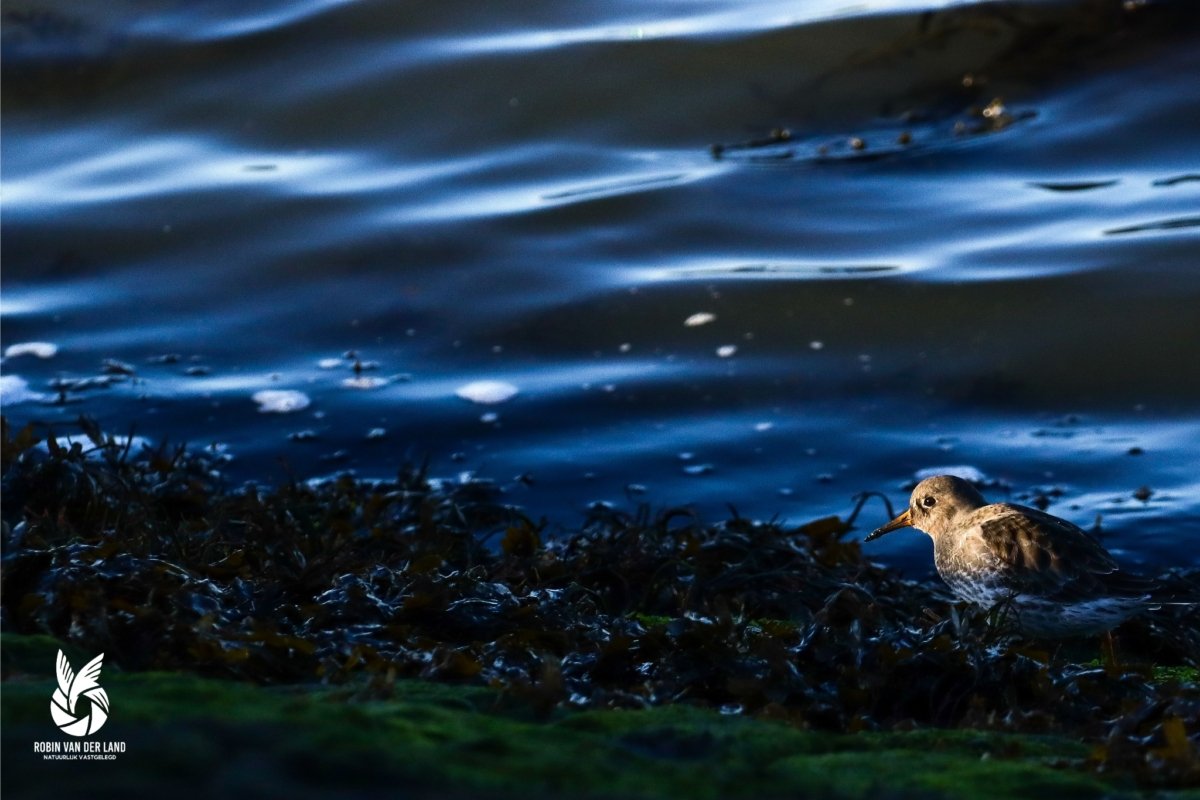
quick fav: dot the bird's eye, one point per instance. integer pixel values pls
(929, 502)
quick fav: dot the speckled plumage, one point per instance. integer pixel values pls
(1056, 579)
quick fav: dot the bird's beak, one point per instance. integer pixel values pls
(902, 521)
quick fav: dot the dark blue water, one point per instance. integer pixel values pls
(978, 246)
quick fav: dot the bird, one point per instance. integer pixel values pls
(1057, 580)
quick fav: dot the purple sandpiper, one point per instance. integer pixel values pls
(1055, 578)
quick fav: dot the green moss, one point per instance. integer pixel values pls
(1181, 674)
(909, 772)
(1158, 673)
(190, 736)
(34, 655)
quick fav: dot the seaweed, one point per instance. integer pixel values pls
(149, 557)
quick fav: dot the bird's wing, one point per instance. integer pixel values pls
(1048, 556)
(88, 678)
(66, 675)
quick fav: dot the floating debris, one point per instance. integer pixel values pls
(375, 434)
(1175, 180)
(281, 401)
(1160, 225)
(1073, 186)
(36, 349)
(698, 319)
(364, 382)
(63, 384)
(776, 136)
(487, 392)
(994, 110)
(330, 363)
(727, 351)
(112, 366)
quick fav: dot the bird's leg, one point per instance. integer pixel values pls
(1004, 614)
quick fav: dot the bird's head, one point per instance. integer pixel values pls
(934, 506)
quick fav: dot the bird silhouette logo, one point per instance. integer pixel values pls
(64, 703)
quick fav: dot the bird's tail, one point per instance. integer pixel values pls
(1170, 589)
(1176, 589)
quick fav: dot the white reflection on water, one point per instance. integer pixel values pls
(14, 390)
(125, 166)
(691, 18)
